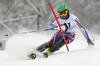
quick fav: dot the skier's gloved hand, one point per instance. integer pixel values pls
(90, 42)
(62, 27)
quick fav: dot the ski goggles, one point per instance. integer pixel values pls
(63, 13)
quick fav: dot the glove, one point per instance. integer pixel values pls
(90, 42)
(62, 27)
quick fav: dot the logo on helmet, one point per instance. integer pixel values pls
(60, 8)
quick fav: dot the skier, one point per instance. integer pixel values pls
(68, 23)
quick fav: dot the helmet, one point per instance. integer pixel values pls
(62, 7)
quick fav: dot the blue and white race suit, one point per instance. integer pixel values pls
(70, 24)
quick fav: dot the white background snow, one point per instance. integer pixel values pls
(80, 53)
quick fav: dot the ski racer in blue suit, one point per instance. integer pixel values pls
(69, 23)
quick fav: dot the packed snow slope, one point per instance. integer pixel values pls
(80, 54)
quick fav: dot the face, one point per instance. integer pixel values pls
(63, 14)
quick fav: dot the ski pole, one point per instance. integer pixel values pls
(59, 26)
(37, 31)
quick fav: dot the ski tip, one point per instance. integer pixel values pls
(32, 55)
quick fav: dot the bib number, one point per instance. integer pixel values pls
(67, 25)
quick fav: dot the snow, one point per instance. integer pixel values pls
(80, 54)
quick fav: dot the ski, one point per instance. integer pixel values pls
(32, 55)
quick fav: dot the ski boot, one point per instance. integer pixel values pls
(47, 53)
(32, 55)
